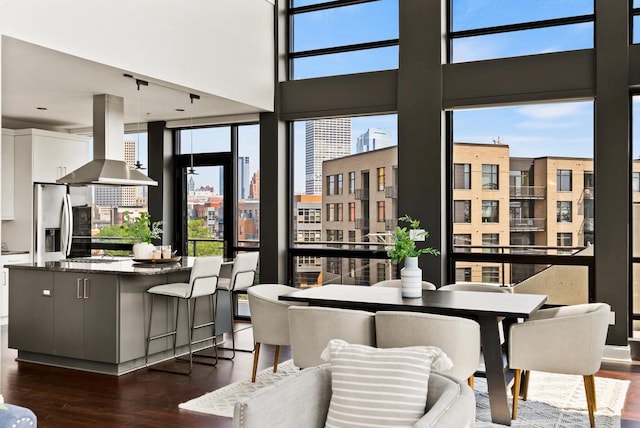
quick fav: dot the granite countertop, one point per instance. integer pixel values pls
(117, 266)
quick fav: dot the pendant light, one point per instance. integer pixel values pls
(191, 170)
(138, 164)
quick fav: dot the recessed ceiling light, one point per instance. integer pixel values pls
(179, 109)
(41, 108)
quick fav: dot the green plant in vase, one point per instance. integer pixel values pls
(141, 230)
(404, 249)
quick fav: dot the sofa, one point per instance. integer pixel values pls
(303, 400)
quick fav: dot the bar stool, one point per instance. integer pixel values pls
(203, 281)
(243, 275)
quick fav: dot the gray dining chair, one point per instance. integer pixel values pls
(503, 324)
(311, 328)
(566, 340)
(458, 337)
(269, 319)
(426, 285)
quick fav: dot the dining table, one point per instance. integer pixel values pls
(484, 307)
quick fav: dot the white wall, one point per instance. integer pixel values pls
(221, 47)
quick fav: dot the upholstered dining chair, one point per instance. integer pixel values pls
(567, 340)
(474, 286)
(243, 275)
(478, 286)
(311, 328)
(269, 319)
(203, 281)
(458, 337)
(426, 285)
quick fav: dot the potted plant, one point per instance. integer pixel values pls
(404, 250)
(142, 231)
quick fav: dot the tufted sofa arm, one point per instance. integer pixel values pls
(303, 400)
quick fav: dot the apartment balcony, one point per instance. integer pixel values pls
(390, 224)
(362, 194)
(362, 223)
(588, 225)
(391, 192)
(527, 224)
(527, 192)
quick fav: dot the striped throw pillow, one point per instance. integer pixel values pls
(376, 387)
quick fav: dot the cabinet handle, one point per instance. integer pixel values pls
(78, 296)
(85, 282)
(4, 278)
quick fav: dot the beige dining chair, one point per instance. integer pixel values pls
(311, 328)
(474, 286)
(269, 319)
(458, 337)
(567, 340)
(203, 282)
(426, 285)
(243, 274)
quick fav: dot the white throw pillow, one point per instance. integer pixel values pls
(379, 387)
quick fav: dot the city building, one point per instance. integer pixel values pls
(373, 139)
(254, 186)
(324, 139)
(244, 176)
(307, 227)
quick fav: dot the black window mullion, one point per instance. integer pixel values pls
(325, 6)
(520, 26)
(344, 48)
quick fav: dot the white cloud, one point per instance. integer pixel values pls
(552, 111)
(541, 124)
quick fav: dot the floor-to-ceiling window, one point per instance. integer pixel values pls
(523, 185)
(344, 199)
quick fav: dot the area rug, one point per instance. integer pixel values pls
(221, 401)
(556, 401)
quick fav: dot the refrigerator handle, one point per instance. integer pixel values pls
(67, 224)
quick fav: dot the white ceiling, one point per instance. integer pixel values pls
(34, 76)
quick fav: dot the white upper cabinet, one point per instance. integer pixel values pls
(7, 175)
(53, 154)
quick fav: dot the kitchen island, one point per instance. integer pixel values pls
(94, 315)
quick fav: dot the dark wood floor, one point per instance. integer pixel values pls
(147, 398)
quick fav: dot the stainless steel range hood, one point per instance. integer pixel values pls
(107, 167)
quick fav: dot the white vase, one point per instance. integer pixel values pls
(411, 278)
(143, 250)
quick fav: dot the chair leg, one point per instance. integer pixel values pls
(525, 386)
(256, 352)
(190, 332)
(470, 381)
(516, 393)
(148, 341)
(276, 358)
(590, 390)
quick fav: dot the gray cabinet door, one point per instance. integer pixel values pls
(101, 318)
(31, 311)
(85, 316)
(68, 314)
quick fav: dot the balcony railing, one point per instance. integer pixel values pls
(527, 224)
(362, 223)
(527, 192)
(391, 192)
(390, 224)
(362, 194)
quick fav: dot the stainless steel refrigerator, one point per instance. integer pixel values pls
(54, 224)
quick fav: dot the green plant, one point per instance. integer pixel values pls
(140, 228)
(404, 244)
